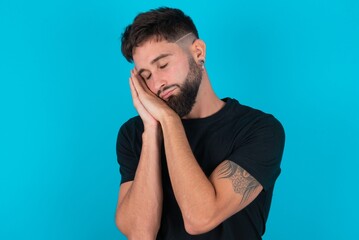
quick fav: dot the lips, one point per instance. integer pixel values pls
(166, 94)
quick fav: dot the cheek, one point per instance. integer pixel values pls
(176, 73)
(151, 86)
(179, 71)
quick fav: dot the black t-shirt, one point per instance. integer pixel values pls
(252, 139)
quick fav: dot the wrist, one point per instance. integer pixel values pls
(152, 133)
(168, 115)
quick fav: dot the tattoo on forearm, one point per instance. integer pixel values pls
(242, 182)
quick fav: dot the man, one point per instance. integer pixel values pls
(193, 166)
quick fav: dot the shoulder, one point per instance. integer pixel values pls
(131, 129)
(132, 124)
(251, 120)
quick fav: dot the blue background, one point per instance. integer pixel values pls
(64, 94)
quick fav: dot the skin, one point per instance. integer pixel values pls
(204, 202)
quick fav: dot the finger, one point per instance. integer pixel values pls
(139, 83)
(133, 89)
(138, 104)
(135, 99)
(137, 75)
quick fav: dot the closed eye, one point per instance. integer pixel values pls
(163, 66)
(149, 76)
(145, 76)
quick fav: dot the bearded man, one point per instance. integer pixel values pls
(193, 166)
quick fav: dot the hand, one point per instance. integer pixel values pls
(148, 120)
(148, 101)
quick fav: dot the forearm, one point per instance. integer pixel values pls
(194, 193)
(140, 211)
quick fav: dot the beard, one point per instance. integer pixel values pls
(183, 102)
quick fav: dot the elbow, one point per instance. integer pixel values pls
(135, 229)
(198, 225)
(120, 225)
(194, 230)
(123, 224)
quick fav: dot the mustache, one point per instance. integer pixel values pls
(166, 88)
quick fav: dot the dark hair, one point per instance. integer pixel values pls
(162, 23)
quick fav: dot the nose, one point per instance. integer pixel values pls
(159, 83)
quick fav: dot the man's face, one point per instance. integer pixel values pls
(170, 73)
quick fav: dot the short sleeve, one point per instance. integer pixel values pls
(127, 149)
(260, 150)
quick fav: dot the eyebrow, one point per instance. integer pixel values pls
(163, 55)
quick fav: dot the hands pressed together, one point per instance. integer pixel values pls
(151, 108)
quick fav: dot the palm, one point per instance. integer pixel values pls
(147, 118)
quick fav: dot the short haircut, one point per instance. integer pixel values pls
(162, 23)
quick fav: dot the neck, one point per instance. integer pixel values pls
(207, 102)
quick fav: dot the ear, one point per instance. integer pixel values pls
(198, 50)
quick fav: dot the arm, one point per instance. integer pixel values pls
(204, 202)
(139, 207)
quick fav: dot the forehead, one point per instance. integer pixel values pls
(149, 50)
